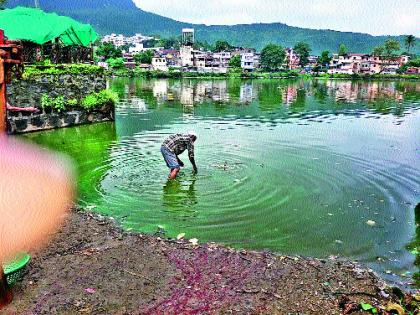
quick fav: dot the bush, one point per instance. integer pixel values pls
(77, 69)
(72, 102)
(57, 103)
(96, 100)
(116, 63)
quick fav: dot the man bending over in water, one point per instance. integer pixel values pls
(173, 146)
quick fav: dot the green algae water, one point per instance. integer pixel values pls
(307, 167)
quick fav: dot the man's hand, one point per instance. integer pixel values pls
(180, 162)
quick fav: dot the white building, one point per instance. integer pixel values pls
(200, 59)
(221, 59)
(365, 64)
(159, 64)
(188, 37)
(117, 40)
(187, 57)
(138, 48)
(121, 40)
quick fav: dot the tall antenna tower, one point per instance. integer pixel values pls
(37, 4)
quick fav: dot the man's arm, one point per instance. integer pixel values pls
(180, 162)
(191, 157)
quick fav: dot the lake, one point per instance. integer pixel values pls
(309, 167)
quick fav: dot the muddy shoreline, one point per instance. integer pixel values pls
(91, 266)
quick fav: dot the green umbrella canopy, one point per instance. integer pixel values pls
(39, 27)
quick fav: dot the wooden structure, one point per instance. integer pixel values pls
(10, 62)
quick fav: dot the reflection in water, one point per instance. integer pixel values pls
(380, 97)
(180, 195)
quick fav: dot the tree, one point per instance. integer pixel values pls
(221, 45)
(272, 57)
(235, 61)
(144, 57)
(325, 58)
(115, 62)
(410, 42)
(169, 43)
(342, 50)
(108, 50)
(302, 50)
(202, 45)
(378, 51)
(392, 46)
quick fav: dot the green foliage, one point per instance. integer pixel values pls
(203, 45)
(325, 58)
(95, 100)
(55, 103)
(368, 308)
(169, 43)
(75, 69)
(392, 46)
(144, 57)
(411, 63)
(410, 42)
(235, 61)
(302, 50)
(108, 50)
(272, 57)
(222, 45)
(414, 63)
(342, 50)
(116, 63)
(45, 62)
(72, 102)
(378, 51)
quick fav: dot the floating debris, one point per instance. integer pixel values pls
(180, 236)
(371, 223)
(194, 241)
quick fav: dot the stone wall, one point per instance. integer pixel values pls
(28, 93)
(21, 122)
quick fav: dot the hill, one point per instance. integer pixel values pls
(122, 16)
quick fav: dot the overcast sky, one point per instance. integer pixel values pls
(377, 17)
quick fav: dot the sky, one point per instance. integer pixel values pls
(376, 17)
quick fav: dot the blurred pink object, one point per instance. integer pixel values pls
(36, 190)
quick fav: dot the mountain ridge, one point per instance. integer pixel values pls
(123, 16)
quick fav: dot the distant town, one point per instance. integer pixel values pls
(144, 53)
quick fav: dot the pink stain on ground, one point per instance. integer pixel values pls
(209, 281)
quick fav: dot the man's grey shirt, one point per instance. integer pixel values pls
(178, 143)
